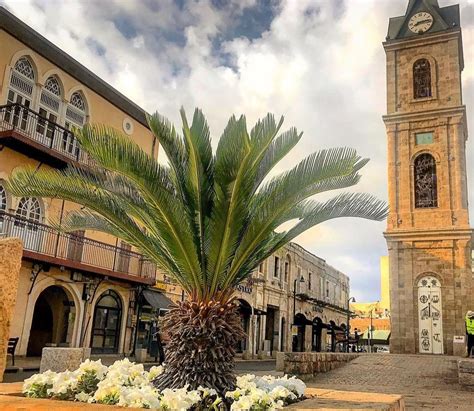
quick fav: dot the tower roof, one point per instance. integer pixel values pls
(444, 18)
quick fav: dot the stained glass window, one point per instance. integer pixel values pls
(426, 192)
(422, 79)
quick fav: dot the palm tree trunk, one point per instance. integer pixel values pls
(202, 344)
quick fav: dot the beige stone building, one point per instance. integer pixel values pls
(80, 289)
(295, 301)
(428, 232)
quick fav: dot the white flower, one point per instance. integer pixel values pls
(155, 371)
(83, 397)
(95, 367)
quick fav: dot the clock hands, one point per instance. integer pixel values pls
(422, 22)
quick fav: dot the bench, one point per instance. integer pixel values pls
(12, 342)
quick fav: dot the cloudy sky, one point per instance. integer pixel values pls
(320, 63)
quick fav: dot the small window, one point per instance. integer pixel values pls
(276, 272)
(287, 270)
(310, 278)
(327, 289)
(426, 191)
(422, 79)
(260, 267)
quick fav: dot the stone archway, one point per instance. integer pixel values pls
(53, 320)
(430, 316)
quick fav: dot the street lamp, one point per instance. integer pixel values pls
(371, 326)
(348, 328)
(295, 338)
(301, 280)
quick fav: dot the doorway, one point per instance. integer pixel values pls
(53, 320)
(430, 323)
(106, 325)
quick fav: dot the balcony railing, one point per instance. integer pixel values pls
(32, 126)
(46, 243)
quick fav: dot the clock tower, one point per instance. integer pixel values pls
(428, 233)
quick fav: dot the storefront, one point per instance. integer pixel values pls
(152, 304)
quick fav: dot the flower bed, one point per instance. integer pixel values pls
(127, 384)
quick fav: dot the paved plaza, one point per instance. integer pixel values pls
(425, 381)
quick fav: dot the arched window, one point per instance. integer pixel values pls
(3, 198)
(29, 208)
(422, 79)
(24, 67)
(52, 85)
(76, 110)
(50, 104)
(426, 193)
(78, 101)
(20, 91)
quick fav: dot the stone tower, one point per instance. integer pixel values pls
(428, 234)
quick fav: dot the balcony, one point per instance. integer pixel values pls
(46, 244)
(24, 130)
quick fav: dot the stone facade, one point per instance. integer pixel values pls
(10, 257)
(427, 242)
(272, 301)
(306, 365)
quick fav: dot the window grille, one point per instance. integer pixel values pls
(52, 85)
(422, 79)
(24, 67)
(426, 192)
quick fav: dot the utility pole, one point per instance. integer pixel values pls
(348, 328)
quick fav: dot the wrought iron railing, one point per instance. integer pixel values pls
(31, 125)
(46, 240)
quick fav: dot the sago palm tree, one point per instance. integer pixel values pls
(205, 218)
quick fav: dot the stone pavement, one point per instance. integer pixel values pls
(424, 381)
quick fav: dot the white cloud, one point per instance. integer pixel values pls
(319, 64)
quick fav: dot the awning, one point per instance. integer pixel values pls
(378, 336)
(157, 299)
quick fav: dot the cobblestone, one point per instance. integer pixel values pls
(425, 381)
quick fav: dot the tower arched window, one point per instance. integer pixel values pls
(426, 185)
(422, 79)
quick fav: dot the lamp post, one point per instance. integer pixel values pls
(348, 328)
(301, 280)
(295, 340)
(371, 326)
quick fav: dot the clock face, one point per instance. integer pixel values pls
(420, 22)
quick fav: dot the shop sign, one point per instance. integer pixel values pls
(244, 288)
(318, 308)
